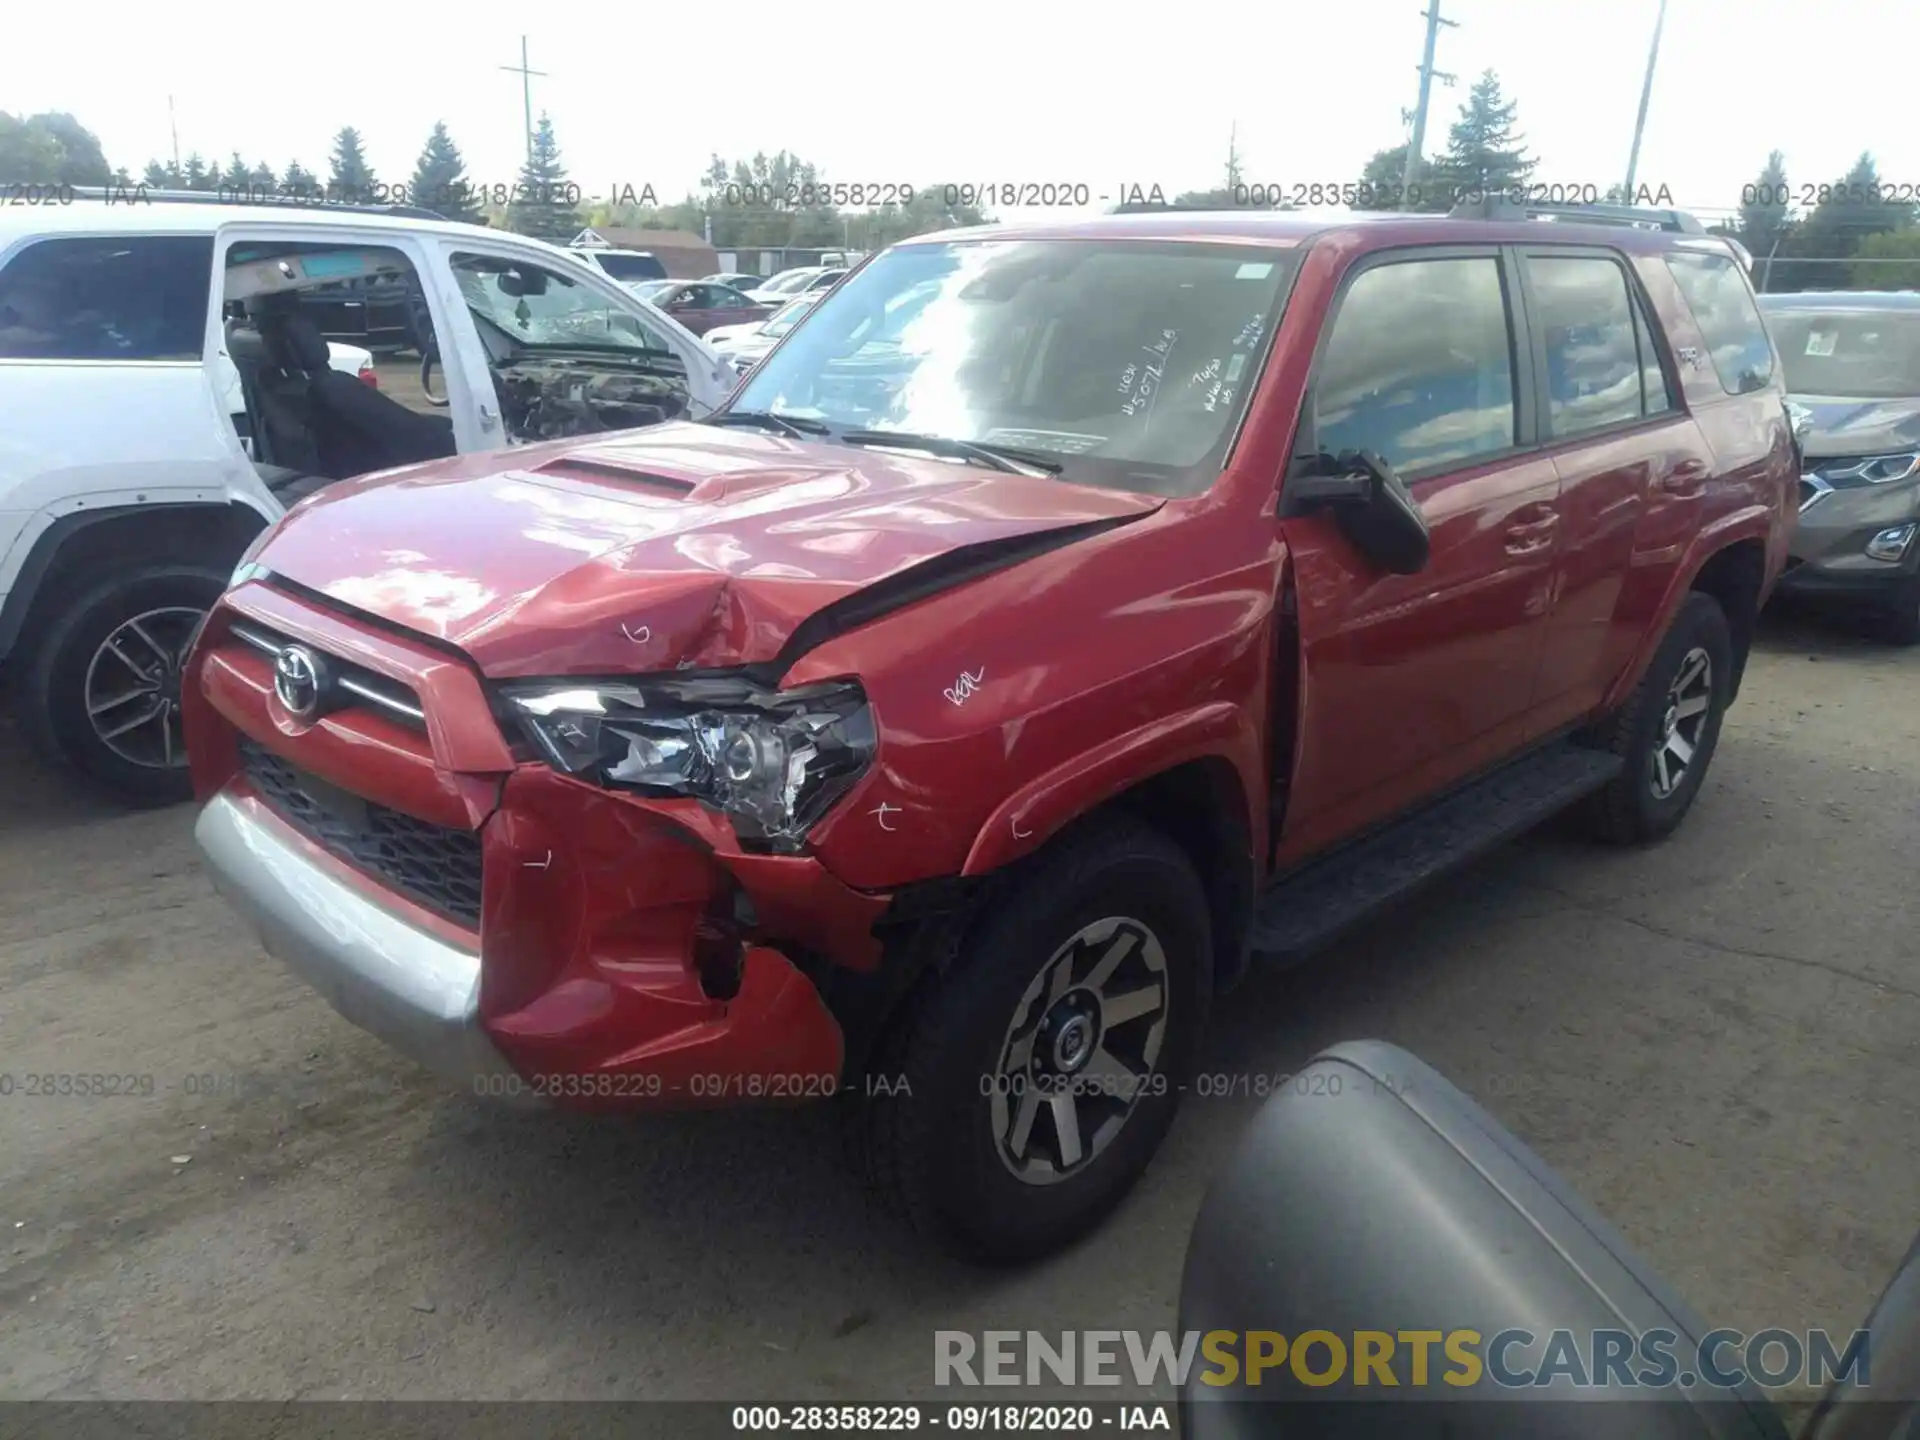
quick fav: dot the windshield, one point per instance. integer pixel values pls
(542, 309)
(650, 289)
(631, 267)
(1868, 354)
(788, 280)
(1128, 363)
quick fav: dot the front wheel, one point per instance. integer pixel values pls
(1667, 732)
(1027, 1087)
(101, 691)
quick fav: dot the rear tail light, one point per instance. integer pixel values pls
(368, 376)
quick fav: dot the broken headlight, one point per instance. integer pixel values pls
(774, 761)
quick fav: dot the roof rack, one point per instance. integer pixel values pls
(1502, 207)
(251, 195)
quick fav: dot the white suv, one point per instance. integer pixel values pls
(168, 390)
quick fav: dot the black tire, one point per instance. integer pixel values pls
(52, 694)
(1630, 810)
(930, 1142)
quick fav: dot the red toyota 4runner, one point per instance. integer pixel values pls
(1057, 620)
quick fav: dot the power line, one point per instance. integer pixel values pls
(1427, 75)
(526, 91)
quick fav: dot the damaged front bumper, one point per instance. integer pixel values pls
(598, 950)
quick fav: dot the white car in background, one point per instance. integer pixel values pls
(742, 346)
(166, 394)
(791, 284)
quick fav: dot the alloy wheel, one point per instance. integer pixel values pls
(1683, 720)
(133, 686)
(1081, 1051)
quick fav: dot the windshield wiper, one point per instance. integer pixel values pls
(1007, 458)
(800, 427)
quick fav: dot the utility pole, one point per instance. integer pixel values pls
(1427, 77)
(526, 91)
(174, 125)
(1646, 94)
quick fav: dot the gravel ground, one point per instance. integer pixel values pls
(1715, 1040)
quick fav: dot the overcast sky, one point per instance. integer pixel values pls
(992, 90)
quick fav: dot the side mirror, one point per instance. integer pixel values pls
(1370, 503)
(1382, 1258)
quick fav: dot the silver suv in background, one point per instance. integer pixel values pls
(1852, 363)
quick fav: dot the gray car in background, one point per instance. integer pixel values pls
(1852, 363)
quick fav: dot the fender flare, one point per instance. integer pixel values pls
(1747, 523)
(1046, 805)
(43, 553)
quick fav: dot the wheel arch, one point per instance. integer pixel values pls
(74, 548)
(1730, 565)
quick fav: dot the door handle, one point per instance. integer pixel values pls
(1684, 478)
(1529, 537)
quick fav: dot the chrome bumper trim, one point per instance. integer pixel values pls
(416, 991)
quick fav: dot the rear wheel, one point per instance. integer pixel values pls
(101, 688)
(1027, 1087)
(1667, 732)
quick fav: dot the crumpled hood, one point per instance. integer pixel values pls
(1859, 427)
(680, 545)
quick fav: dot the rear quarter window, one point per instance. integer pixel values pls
(131, 297)
(1722, 305)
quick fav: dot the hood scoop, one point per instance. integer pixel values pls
(600, 467)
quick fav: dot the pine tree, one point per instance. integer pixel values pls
(544, 198)
(299, 180)
(262, 179)
(237, 177)
(352, 179)
(1847, 212)
(1484, 153)
(440, 179)
(196, 176)
(162, 177)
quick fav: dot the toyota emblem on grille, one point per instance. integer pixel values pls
(299, 681)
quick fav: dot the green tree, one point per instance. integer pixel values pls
(1381, 182)
(298, 180)
(1815, 251)
(1484, 150)
(926, 212)
(1764, 213)
(440, 179)
(163, 177)
(542, 204)
(50, 148)
(196, 175)
(237, 176)
(1889, 260)
(351, 179)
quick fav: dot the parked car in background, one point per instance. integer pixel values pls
(626, 266)
(738, 280)
(784, 287)
(1062, 616)
(1852, 362)
(701, 305)
(167, 392)
(741, 346)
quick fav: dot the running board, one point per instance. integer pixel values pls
(1316, 904)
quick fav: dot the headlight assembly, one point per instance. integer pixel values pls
(774, 761)
(1868, 470)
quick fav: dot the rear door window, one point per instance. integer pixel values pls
(1586, 325)
(1722, 305)
(124, 297)
(1419, 365)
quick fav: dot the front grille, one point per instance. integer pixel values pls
(368, 687)
(431, 864)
